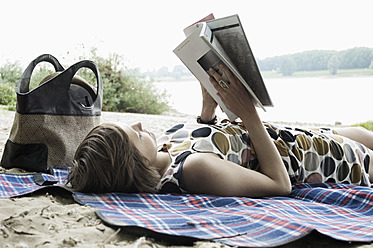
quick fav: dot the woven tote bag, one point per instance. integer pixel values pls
(52, 119)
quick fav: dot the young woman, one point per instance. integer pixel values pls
(252, 158)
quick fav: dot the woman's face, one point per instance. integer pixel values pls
(143, 140)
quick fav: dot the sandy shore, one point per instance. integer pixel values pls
(52, 218)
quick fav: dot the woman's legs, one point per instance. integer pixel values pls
(362, 136)
(358, 134)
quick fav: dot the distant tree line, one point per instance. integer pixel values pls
(178, 72)
(354, 58)
(316, 60)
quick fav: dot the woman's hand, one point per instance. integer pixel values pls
(233, 94)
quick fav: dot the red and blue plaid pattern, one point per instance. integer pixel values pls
(344, 212)
(15, 185)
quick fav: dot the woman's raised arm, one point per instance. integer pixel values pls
(208, 106)
(275, 179)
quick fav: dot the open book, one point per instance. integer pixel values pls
(211, 42)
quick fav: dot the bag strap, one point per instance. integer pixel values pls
(90, 65)
(41, 181)
(70, 72)
(24, 82)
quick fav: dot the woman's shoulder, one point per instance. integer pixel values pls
(201, 157)
(198, 164)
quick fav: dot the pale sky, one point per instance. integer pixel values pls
(146, 32)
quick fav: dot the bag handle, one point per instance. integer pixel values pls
(24, 82)
(69, 73)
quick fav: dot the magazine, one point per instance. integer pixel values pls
(211, 42)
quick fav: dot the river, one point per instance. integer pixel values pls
(347, 100)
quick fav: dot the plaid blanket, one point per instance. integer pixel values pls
(343, 212)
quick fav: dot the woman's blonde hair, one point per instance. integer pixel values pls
(107, 161)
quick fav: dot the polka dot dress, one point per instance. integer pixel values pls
(315, 156)
(308, 155)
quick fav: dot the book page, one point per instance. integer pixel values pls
(233, 40)
(211, 60)
(195, 53)
(223, 57)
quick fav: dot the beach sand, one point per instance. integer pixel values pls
(51, 218)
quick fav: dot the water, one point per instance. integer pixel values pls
(310, 100)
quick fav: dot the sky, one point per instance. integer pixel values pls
(145, 32)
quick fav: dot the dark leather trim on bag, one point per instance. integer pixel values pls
(30, 157)
(49, 98)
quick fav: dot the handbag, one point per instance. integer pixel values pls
(52, 119)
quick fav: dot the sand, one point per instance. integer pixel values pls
(51, 218)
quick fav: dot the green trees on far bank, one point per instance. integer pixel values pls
(354, 58)
(10, 73)
(126, 90)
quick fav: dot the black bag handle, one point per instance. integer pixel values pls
(65, 79)
(53, 97)
(24, 82)
(70, 72)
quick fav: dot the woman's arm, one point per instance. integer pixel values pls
(206, 173)
(208, 106)
(274, 179)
